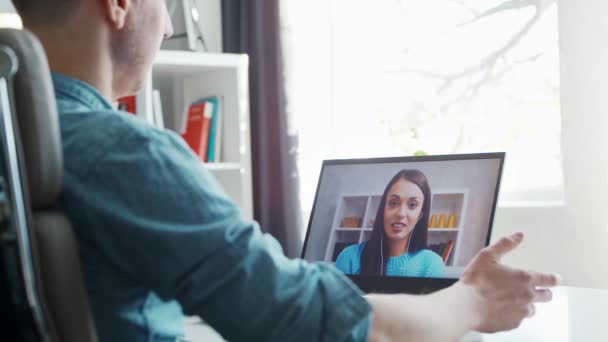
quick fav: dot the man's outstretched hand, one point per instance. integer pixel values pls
(503, 296)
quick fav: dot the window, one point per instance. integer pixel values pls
(10, 20)
(399, 77)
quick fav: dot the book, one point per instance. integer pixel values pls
(219, 130)
(213, 152)
(443, 249)
(436, 248)
(198, 126)
(128, 104)
(447, 251)
(181, 122)
(157, 109)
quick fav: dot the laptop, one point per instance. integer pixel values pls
(404, 224)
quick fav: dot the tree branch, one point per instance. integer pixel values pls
(462, 3)
(490, 61)
(503, 7)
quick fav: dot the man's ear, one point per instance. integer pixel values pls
(116, 11)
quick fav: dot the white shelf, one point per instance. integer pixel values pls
(182, 77)
(223, 166)
(186, 62)
(444, 229)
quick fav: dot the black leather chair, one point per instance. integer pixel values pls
(40, 275)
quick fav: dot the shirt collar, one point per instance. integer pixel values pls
(72, 89)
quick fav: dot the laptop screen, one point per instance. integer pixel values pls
(423, 217)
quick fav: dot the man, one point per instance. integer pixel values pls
(159, 239)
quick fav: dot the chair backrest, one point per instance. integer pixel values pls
(39, 255)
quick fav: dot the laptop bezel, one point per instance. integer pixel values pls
(384, 284)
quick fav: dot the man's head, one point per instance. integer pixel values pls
(118, 37)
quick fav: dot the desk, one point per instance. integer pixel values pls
(574, 315)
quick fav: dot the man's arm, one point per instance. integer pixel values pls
(489, 297)
(161, 220)
(434, 317)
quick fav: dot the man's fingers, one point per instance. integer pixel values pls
(544, 279)
(505, 245)
(542, 295)
(531, 310)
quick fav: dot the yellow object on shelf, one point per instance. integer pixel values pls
(433, 222)
(441, 221)
(452, 221)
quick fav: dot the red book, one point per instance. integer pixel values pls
(447, 251)
(197, 128)
(127, 104)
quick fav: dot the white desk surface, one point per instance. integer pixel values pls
(574, 315)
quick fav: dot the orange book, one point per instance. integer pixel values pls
(197, 128)
(447, 251)
(127, 104)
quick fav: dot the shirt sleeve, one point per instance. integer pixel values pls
(162, 218)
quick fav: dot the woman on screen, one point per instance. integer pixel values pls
(398, 245)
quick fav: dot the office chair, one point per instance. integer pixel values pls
(40, 275)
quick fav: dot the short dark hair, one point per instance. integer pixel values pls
(49, 11)
(371, 262)
(23, 6)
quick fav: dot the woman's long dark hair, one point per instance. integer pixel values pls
(370, 258)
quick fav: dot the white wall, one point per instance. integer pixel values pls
(6, 6)
(573, 239)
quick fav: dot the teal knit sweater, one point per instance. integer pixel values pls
(423, 263)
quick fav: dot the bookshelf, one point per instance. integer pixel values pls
(182, 77)
(355, 215)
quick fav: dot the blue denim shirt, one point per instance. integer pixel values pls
(159, 239)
